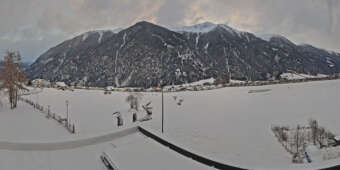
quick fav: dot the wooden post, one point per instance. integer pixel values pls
(73, 129)
(134, 117)
(119, 121)
(67, 112)
(48, 111)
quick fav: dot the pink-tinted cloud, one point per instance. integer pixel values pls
(48, 22)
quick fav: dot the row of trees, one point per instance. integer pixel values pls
(295, 140)
(319, 134)
(12, 77)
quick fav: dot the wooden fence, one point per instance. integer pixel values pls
(47, 112)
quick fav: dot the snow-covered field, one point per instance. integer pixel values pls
(229, 124)
(128, 152)
(26, 124)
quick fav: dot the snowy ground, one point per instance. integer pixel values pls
(132, 151)
(229, 124)
(26, 124)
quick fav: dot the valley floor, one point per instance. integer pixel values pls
(229, 125)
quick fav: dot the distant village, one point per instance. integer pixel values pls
(208, 84)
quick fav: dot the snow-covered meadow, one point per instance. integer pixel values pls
(229, 124)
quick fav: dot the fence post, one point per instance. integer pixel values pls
(73, 129)
(119, 121)
(134, 117)
(48, 111)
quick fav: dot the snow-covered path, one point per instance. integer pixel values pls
(64, 144)
(132, 151)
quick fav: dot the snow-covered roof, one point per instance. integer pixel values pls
(61, 84)
(41, 82)
(337, 138)
(109, 88)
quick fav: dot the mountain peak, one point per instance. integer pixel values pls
(281, 39)
(144, 23)
(206, 27)
(198, 28)
(230, 29)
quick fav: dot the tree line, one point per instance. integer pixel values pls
(12, 77)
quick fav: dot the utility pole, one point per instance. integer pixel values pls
(67, 112)
(162, 82)
(162, 95)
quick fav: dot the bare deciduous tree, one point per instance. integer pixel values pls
(133, 100)
(314, 127)
(12, 77)
(297, 138)
(322, 135)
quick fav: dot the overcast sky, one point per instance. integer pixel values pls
(33, 26)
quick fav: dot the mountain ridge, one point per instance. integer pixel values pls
(141, 55)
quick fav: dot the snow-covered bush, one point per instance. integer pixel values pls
(134, 99)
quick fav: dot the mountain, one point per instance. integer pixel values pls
(144, 53)
(25, 65)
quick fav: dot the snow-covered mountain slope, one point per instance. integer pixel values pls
(204, 28)
(137, 55)
(267, 37)
(199, 28)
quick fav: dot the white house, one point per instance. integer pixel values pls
(337, 138)
(41, 83)
(60, 85)
(109, 88)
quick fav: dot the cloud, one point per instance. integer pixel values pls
(32, 26)
(171, 13)
(333, 6)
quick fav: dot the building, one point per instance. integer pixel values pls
(41, 83)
